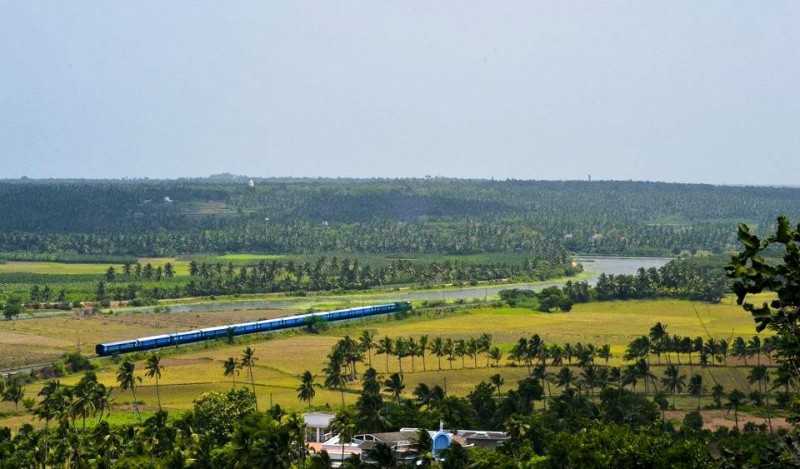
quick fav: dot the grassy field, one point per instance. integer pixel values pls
(46, 339)
(282, 358)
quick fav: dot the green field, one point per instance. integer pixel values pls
(282, 358)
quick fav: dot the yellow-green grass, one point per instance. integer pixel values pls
(51, 268)
(69, 268)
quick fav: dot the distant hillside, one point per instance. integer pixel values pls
(602, 217)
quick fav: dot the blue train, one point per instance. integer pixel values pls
(198, 335)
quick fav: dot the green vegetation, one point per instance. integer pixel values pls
(435, 216)
(680, 278)
(572, 394)
(655, 369)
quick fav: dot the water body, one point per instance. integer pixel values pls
(620, 265)
(594, 265)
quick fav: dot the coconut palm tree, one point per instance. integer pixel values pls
(102, 400)
(344, 425)
(422, 348)
(696, 388)
(437, 348)
(306, 391)
(423, 394)
(657, 334)
(231, 368)
(367, 342)
(51, 406)
(565, 378)
(472, 349)
(450, 351)
(411, 350)
(485, 345)
(386, 347)
(400, 351)
(673, 380)
(735, 399)
(126, 377)
(754, 348)
(84, 396)
(460, 349)
(334, 374)
(629, 375)
(496, 355)
(717, 393)
(497, 382)
(740, 349)
(589, 377)
(759, 375)
(569, 352)
(14, 392)
(643, 371)
(152, 370)
(249, 360)
(394, 386)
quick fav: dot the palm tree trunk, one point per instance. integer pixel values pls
(769, 411)
(135, 406)
(158, 394)
(253, 385)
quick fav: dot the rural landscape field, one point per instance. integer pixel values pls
(487, 320)
(393, 235)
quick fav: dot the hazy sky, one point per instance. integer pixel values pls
(670, 90)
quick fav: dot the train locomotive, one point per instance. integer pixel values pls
(209, 333)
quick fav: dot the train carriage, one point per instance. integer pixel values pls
(210, 333)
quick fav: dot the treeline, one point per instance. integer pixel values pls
(689, 279)
(535, 218)
(326, 273)
(617, 428)
(462, 237)
(347, 273)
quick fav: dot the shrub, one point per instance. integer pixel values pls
(693, 421)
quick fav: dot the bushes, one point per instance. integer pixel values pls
(315, 324)
(547, 300)
(75, 362)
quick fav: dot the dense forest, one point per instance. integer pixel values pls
(228, 214)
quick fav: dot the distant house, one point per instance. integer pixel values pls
(404, 443)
